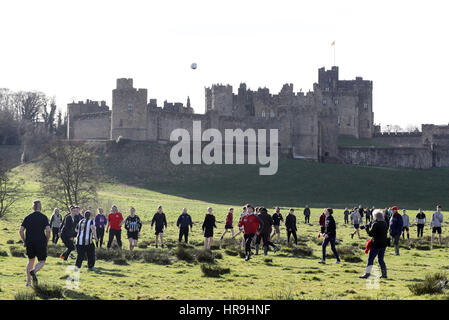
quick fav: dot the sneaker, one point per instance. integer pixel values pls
(62, 257)
(352, 236)
(338, 262)
(276, 248)
(247, 257)
(71, 256)
(365, 276)
(322, 261)
(28, 284)
(92, 269)
(33, 275)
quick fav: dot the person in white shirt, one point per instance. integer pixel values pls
(356, 219)
(435, 224)
(405, 224)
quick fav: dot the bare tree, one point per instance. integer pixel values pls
(69, 173)
(10, 191)
(49, 117)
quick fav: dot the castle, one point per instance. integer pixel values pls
(309, 124)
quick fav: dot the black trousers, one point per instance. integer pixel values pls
(307, 219)
(100, 235)
(266, 240)
(84, 250)
(420, 230)
(248, 239)
(117, 234)
(292, 232)
(184, 232)
(69, 245)
(55, 237)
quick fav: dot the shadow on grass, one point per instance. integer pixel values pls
(76, 295)
(108, 272)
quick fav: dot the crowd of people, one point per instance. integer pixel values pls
(84, 231)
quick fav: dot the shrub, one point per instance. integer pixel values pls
(302, 251)
(48, 291)
(205, 256)
(229, 242)
(55, 251)
(142, 245)
(17, 252)
(432, 284)
(213, 270)
(268, 260)
(218, 255)
(182, 253)
(120, 261)
(10, 241)
(230, 252)
(103, 254)
(157, 257)
(215, 245)
(353, 259)
(3, 253)
(25, 295)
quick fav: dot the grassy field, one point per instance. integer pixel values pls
(288, 274)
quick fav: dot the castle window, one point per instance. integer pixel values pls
(263, 114)
(326, 89)
(272, 114)
(336, 101)
(324, 101)
(130, 107)
(349, 121)
(365, 105)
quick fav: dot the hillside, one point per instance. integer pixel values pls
(297, 182)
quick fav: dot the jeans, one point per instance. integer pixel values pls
(346, 219)
(380, 253)
(117, 234)
(100, 235)
(82, 251)
(184, 232)
(292, 232)
(396, 243)
(307, 219)
(69, 245)
(248, 239)
(55, 237)
(334, 250)
(420, 229)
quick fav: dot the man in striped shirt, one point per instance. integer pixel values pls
(133, 226)
(84, 241)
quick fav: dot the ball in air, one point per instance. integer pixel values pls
(193, 66)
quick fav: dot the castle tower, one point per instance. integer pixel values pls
(129, 111)
(220, 98)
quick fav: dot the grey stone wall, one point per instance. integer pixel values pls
(418, 158)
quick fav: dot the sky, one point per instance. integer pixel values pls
(75, 50)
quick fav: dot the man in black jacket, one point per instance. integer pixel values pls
(290, 225)
(160, 222)
(68, 232)
(330, 235)
(306, 214)
(378, 231)
(277, 218)
(265, 232)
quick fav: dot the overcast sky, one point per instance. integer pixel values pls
(76, 50)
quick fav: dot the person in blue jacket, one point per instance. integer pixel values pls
(183, 223)
(396, 225)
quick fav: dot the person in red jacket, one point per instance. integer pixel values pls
(251, 224)
(322, 222)
(228, 223)
(114, 227)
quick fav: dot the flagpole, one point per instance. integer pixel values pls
(334, 53)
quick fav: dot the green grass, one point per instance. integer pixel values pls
(291, 273)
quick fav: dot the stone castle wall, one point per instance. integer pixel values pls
(418, 158)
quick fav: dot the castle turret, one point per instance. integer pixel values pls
(129, 111)
(220, 98)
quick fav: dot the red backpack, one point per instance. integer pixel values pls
(322, 220)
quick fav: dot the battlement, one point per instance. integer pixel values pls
(89, 106)
(125, 83)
